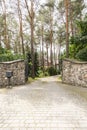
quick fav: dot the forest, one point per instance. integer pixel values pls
(43, 32)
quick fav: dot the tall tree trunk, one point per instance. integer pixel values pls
(31, 16)
(21, 36)
(32, 38)
(40, 59)
(59, 55)
(47, 54)
(21, 27)
(71, 17)
(72, 27)
(0, 40)
(5, 27)
(51, 37)
(67, 27)
(42, 48)
(54, 56)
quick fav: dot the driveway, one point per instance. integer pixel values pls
(44, 104)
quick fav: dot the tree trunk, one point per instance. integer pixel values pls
(31, 16)
(0, 40)
(59, 55)
(42, 48)
(21, 27)
(51, 37)
(32, 39)
(54, 56)
(47, 54)
(5, 27)
(67, 27)
(72, 27)
(21, 36)
(40, 62)
(71, 17)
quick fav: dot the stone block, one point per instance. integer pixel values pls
(18, 69)
(74, 73)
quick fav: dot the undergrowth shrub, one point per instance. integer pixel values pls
(52, 71)
(82, 54)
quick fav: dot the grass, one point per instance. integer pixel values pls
(59, 78)
(30, 80)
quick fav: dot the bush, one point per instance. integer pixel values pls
(7, 55)
(40, 73)
(10, 57)
(46, 74)
(52, 71)
(82, 54)
(36, 63)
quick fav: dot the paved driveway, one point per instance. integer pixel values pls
(43, 105)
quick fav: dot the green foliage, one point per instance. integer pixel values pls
(40, 73)
(3, 50)
(46, 73)
(29, 63)
(52, 71)
(36, 63)
(30, 80)
(82, 54)
(78, 43)
(82, 25)
(7, 55)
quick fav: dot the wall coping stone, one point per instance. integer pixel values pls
(11, 62)
(75, 61)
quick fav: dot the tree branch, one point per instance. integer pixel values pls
(28, 8)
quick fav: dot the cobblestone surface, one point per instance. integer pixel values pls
(43, 105)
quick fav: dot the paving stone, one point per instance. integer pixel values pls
(30, 128)
(16, 129)
(43, 106)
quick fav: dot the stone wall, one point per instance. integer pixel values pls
(74, 72)
(18, 69)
